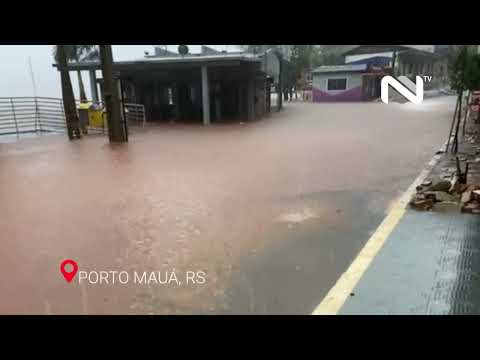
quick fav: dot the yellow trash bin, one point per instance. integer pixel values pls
(83, 116)
(95, 117)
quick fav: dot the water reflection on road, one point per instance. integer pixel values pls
(272, 211)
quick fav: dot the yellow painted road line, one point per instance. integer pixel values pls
(338, 294)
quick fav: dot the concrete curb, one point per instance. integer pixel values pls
(339, 293)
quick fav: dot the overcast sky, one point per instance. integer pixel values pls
(15, 79)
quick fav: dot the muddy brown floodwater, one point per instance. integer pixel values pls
(273, 211)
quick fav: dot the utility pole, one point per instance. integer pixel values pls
(116, 130)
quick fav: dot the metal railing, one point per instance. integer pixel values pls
(22, 115)
(135, 113)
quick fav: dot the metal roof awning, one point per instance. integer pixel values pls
(169, 62)
(372, 49)
(341, 68)
(400, 49)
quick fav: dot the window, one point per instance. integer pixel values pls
(337, 84)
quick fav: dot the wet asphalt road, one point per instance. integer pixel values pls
(273, 212)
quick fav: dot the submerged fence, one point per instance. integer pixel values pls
(22, 115)
(31, 114)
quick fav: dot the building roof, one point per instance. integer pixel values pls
(341, 68)
(373, 49)
(194, 59)
(400, 49)
(202, 57)
(379, 61)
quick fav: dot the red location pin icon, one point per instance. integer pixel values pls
(69, 275)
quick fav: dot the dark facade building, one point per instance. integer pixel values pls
(201, 88)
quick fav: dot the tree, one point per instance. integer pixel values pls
(92, 55)
(117, 132)
(328, 55)
(457, 66)
(302, 56)
(302, 59)
(71, 116)
(464, 74)
(472, 77)
(325, 59)
(79, 53)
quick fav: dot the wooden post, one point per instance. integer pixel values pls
(124, 115)
(205, 96)
(116, 131)
(93, 86)
(69, 106)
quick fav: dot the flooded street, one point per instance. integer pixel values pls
(272, 212)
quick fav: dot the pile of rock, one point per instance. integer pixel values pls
(447, 194)
(428, 195)
(470, 200)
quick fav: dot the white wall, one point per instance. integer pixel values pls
(320, 81)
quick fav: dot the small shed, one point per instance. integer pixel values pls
(348, 83)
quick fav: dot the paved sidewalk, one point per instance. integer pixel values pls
(430, 262)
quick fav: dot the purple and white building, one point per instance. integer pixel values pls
(348, 83)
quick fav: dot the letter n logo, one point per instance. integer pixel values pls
(406, 90)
